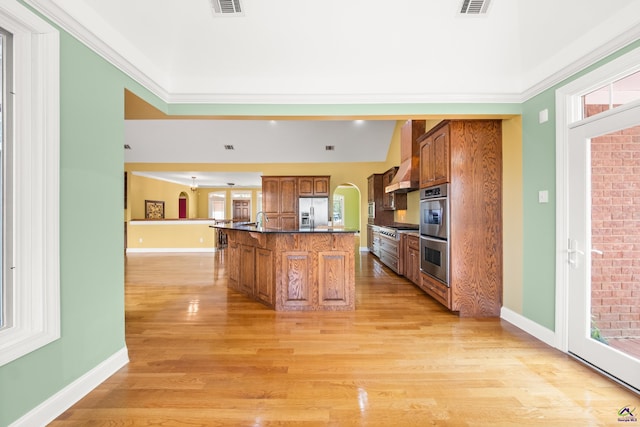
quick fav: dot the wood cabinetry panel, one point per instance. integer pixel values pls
(247, 273)
(264, 276)
(439, 291)
(296, 276)
(270, 195)
(333, 275)
(233, 249)
(412, 258)
(468, 155)
(294, 271)
(288, 196)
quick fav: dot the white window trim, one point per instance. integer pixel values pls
(568, 114)
(35, 310)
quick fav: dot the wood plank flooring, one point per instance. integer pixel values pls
(204, 355)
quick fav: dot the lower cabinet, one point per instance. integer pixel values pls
(264, 289)
(296, 280)
(294, 271)
(438, 290)
(412, 258)
(247, 269)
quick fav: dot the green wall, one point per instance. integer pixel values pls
(351, 206)
(91, 243)
(539, 170)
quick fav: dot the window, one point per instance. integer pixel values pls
(30, 175)
(338, 209)
(6, 109)
(618, 92)
(217, 205)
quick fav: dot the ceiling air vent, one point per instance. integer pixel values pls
(474, 7)
(330, 147)
(227, 8)
(229, 147)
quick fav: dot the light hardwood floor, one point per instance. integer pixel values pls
(203, 355)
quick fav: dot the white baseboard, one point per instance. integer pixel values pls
(364, 249)
(167, 250)
(545, 335)
(53, 407)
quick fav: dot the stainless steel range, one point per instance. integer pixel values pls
(390, 244)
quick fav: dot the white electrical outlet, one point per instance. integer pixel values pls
(140, 240)
(201, 240)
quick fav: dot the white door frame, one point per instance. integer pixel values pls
(568, 113)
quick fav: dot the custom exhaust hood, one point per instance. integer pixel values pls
(408, 176)
(406, 179)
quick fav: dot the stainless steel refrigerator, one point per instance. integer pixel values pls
(313, 211)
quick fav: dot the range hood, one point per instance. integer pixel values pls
(408, 176)
(406, 179)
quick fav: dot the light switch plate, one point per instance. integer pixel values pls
(543, 196)
(543, 116)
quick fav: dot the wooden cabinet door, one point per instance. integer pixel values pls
(440, 152)
(313, 186)
(371, 187)
(288, 195)
(333, 277)
(296, 287)
(388, 201)
(234, 264)
(288, 222)
(247, 269)
(426, 162)
(321, 186)
(270, 195)
(305, 186)
(264, 276)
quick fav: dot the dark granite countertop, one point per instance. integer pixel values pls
(253, 228)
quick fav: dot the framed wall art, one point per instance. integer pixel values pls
(153, 209)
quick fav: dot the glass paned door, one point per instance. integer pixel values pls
(604, 244)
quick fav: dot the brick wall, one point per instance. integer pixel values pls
(615, 291)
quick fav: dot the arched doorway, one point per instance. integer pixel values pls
(183, 205)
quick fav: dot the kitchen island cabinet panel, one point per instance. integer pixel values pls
(264, 276)
(233, 249)
(333, 278)
(293, 270)
(247, 268)
(295, 277)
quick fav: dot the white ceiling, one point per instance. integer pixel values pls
(333, 51)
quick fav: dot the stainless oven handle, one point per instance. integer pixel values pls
(433, 239)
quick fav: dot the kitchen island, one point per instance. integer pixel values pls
(292, 270)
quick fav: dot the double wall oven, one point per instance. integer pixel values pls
(434, 232)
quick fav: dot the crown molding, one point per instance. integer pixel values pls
(68, 23)
(58, 15)
(597, 54)
(326, 99)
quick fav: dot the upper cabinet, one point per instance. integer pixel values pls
(434, 156)
(313, 186)
(392, 200)
(280, 196)
(280, 202)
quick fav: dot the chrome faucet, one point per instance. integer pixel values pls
(264, 216)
